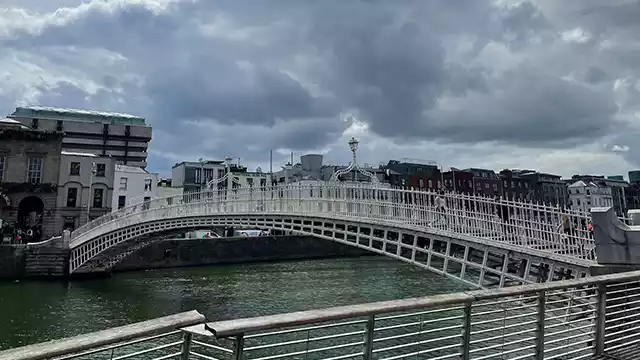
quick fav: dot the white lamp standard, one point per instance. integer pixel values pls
(353, 145)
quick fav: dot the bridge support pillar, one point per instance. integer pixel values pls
(66, 239)
(617, 244)
(617, 250)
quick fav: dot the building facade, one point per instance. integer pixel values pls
(123, 137)
(85, 188)
(516, 187)
(547, 188)
(29, 169)
(619, 189)
(132, 185)
(485, 182)
(166, 190)
(585, 195)
(458, 181)
(192, 176)
(414, 175)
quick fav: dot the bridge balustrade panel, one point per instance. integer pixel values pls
(528, 225)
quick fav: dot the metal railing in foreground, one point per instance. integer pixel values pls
(159, 338)
(572, 319)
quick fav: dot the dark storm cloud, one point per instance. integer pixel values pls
(388, 60)
(526, 108)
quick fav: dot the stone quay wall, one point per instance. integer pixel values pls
(198, 252)
(52, 260)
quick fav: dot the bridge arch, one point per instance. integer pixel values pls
(466, 259)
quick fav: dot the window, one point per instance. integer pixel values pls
(2, 162)
(506, 184)
(98, 195)
(122, 201)
(72, 197)
(100, 170)
(430, 184)
(34, 173)
(421, 183)
(147, 185)
(74, 169)
(123, 183)
(147, 203)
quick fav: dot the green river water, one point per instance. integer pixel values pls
(33, 311)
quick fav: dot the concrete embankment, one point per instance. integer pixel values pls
(22, 262)
(198, 252)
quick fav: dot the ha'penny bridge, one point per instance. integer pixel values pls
(535, 267)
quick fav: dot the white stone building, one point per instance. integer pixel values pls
(583, 195)
(85, 187)
(133, 185)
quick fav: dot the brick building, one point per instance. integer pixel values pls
(414, 175)
(486, 182)
(515, 186)
(458, 181)
(29, 168)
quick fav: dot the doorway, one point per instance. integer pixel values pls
(30, 211)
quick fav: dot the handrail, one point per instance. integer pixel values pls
(228, 328)
(53, 348)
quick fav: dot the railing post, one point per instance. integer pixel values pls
(601, 312)
(367, 353)
(186, 345)
(238, 347)
(465, 345)
(540, 317)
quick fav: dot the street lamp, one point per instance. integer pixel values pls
(92, 173)
(353, 145)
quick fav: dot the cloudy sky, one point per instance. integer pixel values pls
(543, 84)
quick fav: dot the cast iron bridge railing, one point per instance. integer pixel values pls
(528, 225)
(570, 320)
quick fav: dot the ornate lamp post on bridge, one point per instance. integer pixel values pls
(353, 144)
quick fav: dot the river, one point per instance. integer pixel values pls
(34, 311)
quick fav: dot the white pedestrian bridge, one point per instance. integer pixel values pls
(482, 241)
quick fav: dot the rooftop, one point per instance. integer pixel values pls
(71, 153)
(198, 163)
(130, 169)
(79, 115)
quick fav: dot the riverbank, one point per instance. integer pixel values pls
(19, 262)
